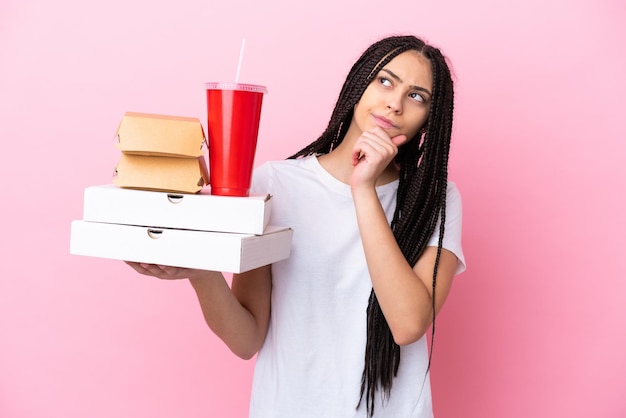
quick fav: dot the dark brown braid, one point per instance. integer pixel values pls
(421, 199)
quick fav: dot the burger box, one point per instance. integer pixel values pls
(218, 251)
(185, 175)
(163, 135)
(202, 211)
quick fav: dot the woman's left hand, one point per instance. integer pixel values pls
(372, 154)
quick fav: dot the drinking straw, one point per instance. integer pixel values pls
(243, 44)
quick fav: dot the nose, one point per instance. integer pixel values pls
(394, 103)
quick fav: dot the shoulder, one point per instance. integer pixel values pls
(268, 173)
(453, 190)
(280, 165)
(452, 239)
(453, 197)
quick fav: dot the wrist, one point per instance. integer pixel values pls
(363, 191)
(199, 277)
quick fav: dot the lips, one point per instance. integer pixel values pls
(383, 122)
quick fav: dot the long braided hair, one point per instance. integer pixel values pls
(421, 197)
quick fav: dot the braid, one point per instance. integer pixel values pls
(362, 73)
(421, 197)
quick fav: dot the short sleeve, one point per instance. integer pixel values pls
(453, 227)
(261, 179)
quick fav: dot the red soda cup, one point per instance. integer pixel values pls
(234, 113)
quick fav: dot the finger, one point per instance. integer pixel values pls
(356, 157)
(156, 270)
(398, 140)
(169, 270)
(363, 149)
(370, 144)
(146, 269)
(380, 133)
(138, 267)
(377, 136)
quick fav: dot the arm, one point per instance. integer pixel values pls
(404, 292)
(238, 316)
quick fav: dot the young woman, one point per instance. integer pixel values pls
(340, 326)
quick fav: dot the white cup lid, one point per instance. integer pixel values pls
(236, 86)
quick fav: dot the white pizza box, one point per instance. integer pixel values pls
(110, 203)
(217, 251)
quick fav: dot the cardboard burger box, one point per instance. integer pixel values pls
(161, 152)
(109, 203)
(185, 175)
(218, 251)
(162, 135)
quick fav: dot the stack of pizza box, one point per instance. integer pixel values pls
(158, 211)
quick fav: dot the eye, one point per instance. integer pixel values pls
(417, 97)
(384, 81)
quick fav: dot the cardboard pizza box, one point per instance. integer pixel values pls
(202, 211)
(217, 251)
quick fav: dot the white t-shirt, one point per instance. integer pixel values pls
(312, 360)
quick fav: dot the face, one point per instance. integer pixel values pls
(398, 98)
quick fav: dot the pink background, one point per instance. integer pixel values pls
(535, 328)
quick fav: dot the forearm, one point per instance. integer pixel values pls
(403, 297)
(226, 316)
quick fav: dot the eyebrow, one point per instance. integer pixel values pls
(398, 79)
